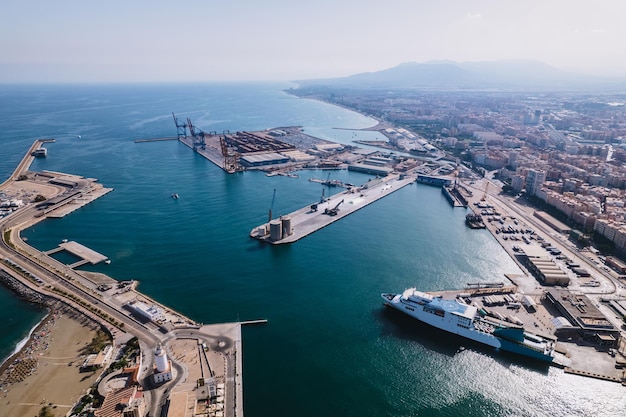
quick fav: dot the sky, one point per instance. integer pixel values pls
(72, 41)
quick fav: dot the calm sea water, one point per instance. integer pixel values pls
(330, 348)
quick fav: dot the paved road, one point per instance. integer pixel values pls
(56, 275)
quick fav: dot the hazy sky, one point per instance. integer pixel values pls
(110, 41)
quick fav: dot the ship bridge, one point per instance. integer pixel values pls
(454, 307)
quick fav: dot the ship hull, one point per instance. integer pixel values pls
(459, 323)
(440, 323)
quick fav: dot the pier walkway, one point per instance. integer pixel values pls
(24, 164)
(84, 253)
(305, 221)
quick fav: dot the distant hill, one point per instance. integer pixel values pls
(509, 75)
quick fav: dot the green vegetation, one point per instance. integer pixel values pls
(22, 177)
(39, 198)
(90, 307)
(90, 400)
(7, 238)
(99, 341)
(133, 343)
(130, 350)
(45, 411)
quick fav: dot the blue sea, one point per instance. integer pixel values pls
(329, 348)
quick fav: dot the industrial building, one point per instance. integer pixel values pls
(616, 264)
(436, 181)
(370, 169)
(587, 322)
(151, 313)
(262, 159)
(543, 268)
(552, 222)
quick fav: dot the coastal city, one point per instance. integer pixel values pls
(544, 175)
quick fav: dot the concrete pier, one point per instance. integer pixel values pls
(307, 220)
(84, 253)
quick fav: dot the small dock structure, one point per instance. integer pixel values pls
(86, 255)
(303, 222)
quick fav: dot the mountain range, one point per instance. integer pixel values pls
(486, 75)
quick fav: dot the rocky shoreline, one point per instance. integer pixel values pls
(22, 291)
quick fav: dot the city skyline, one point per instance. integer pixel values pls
(280, 40)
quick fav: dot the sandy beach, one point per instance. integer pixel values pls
(47, 370)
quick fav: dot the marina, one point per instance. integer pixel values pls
(300, 223)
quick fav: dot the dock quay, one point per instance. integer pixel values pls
(72, 204)
(454, 196)
(303, 222)
(509, 305)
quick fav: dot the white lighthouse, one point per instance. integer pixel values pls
(162, 366)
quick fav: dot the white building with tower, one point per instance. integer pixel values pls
(162, 366)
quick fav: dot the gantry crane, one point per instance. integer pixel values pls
(197, 134)
(181, 127)
(231, 159)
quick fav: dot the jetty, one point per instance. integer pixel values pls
(300, 223)
(86, 255)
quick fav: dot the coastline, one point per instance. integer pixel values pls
(35, 359)
(21, 345)
(379, 126)
(51, 362)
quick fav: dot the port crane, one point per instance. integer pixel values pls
(322, 199)
(231, 163)
(333, 211)
(197, 134)
(181, 127)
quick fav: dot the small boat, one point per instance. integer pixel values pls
(175, 196)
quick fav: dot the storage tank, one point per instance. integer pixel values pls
(160, 358)
(276, 230)
(286, 220)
